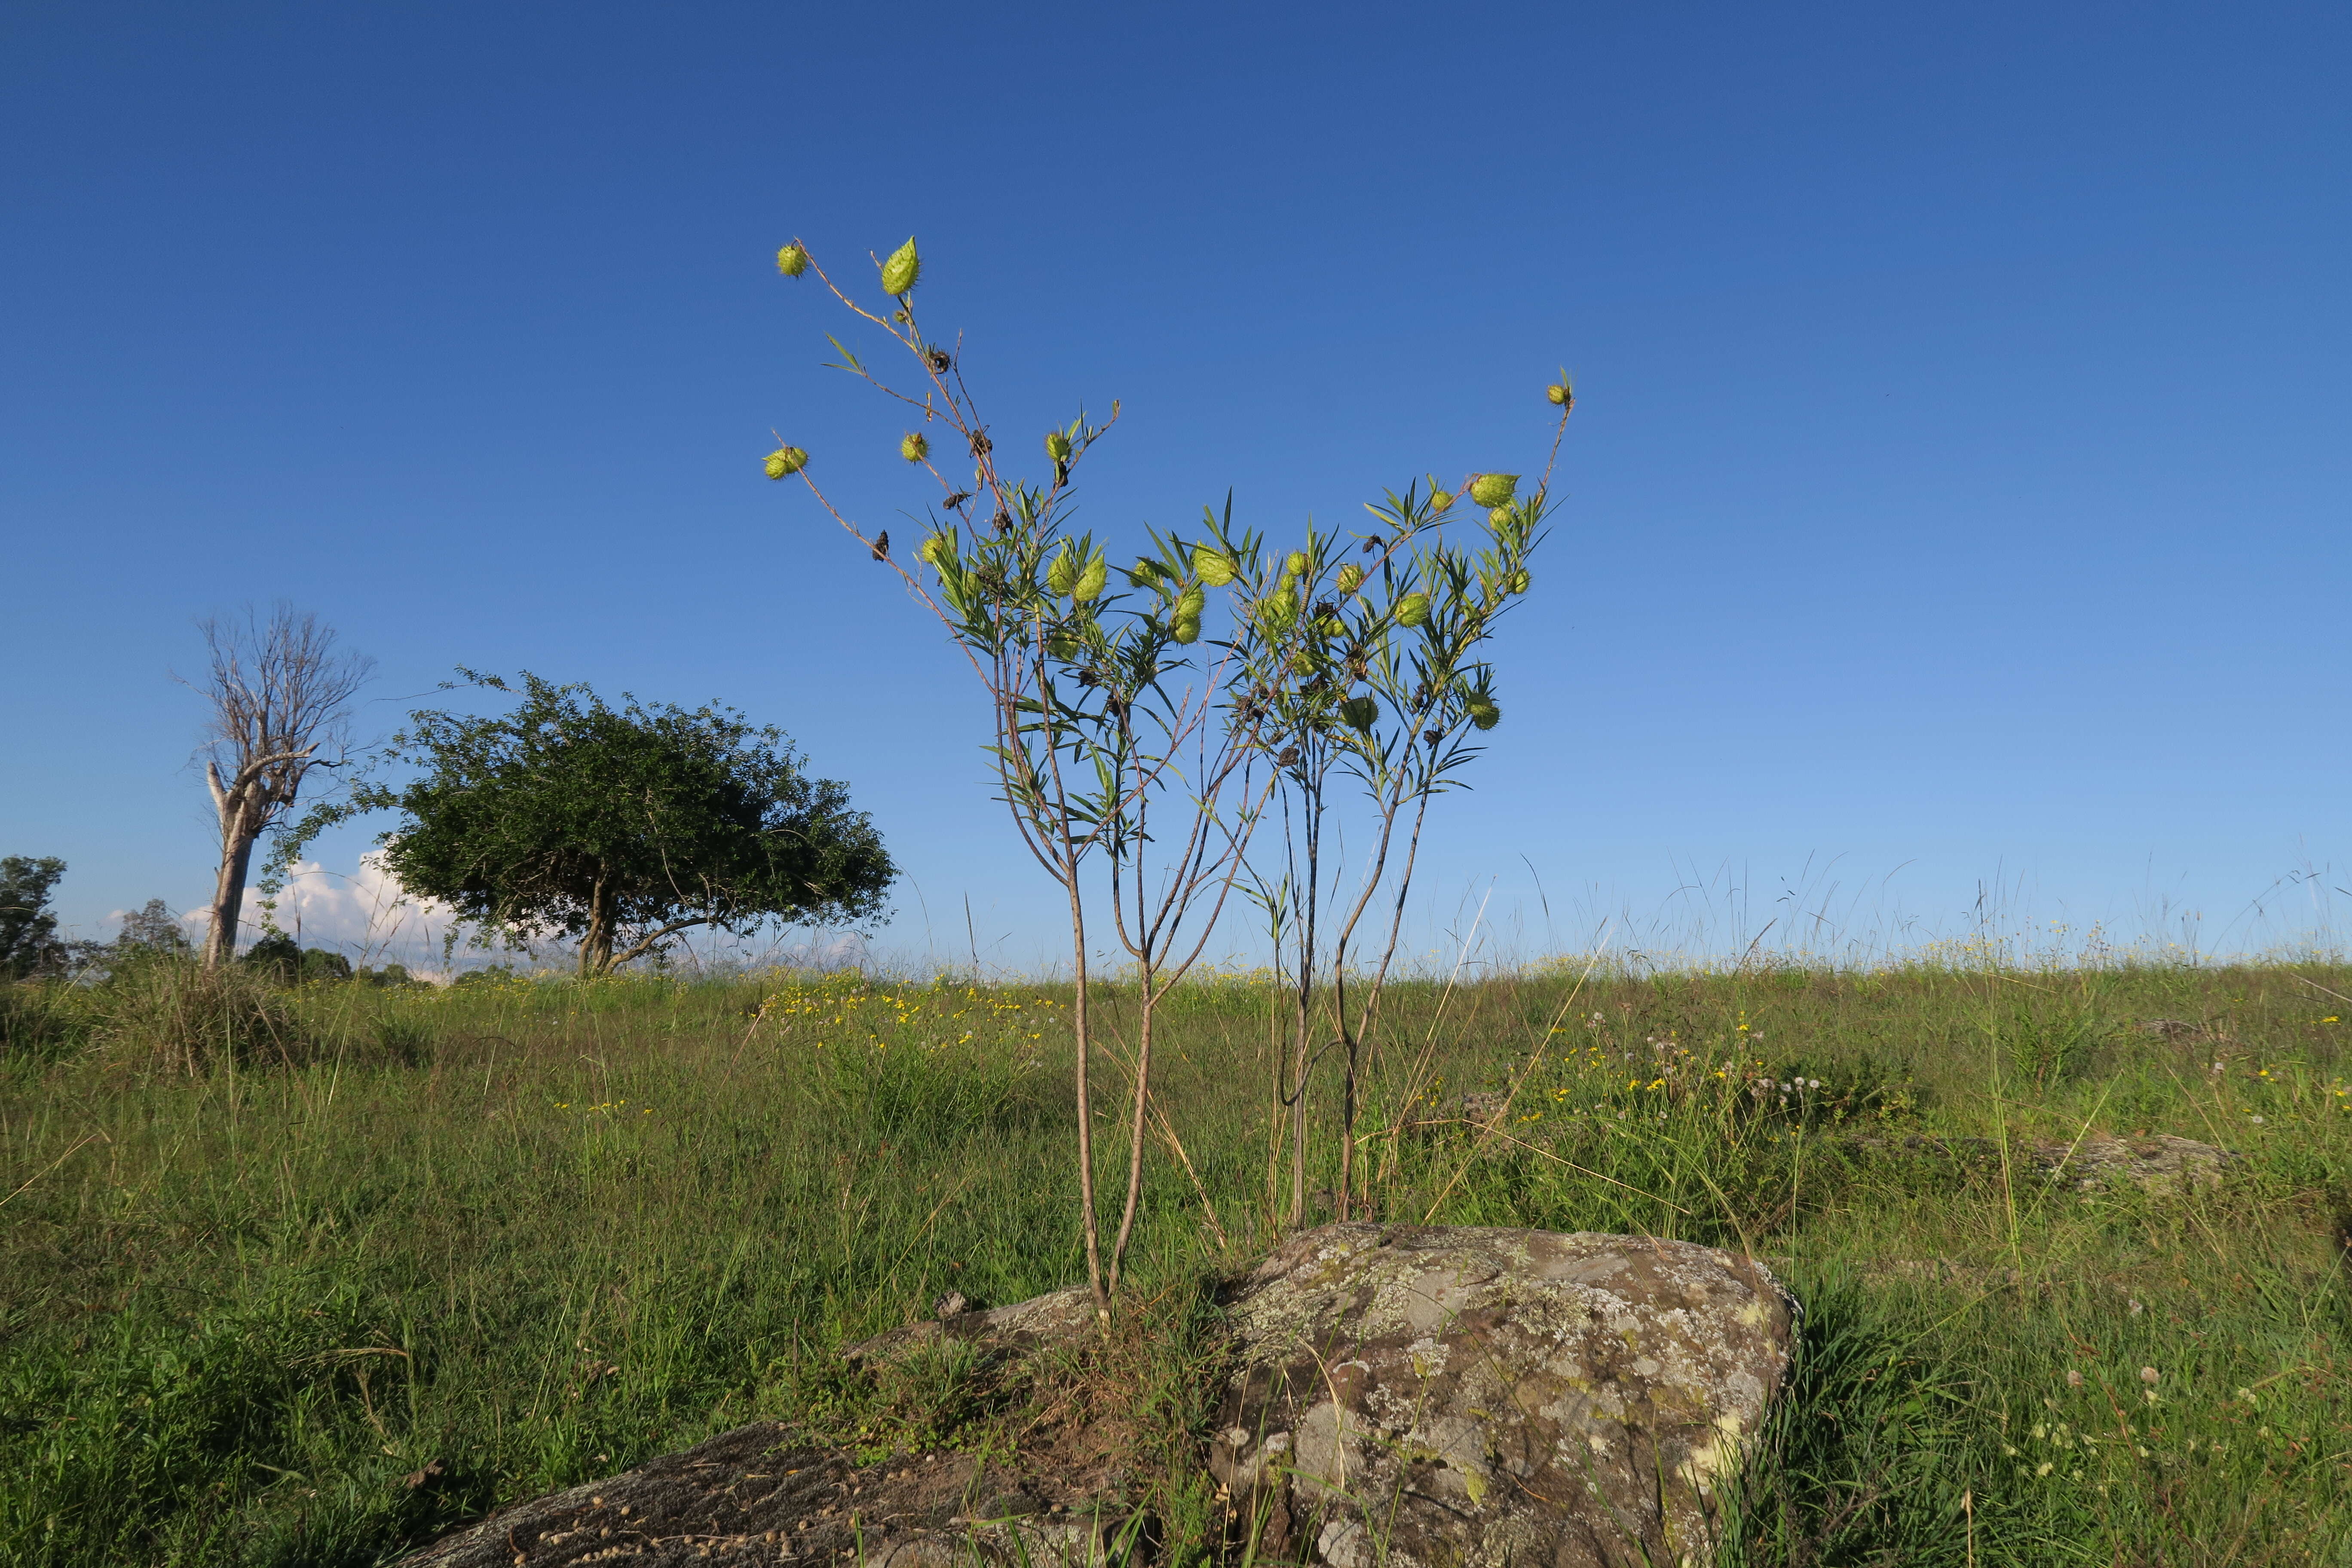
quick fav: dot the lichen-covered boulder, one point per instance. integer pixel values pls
(1456, 1397)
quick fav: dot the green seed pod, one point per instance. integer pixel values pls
(786, 461)
(1062, 575)
(1187, 629)
(1057, 446)
(1332, 626)
(1145, 571)
(916, 447)
(898, 273)
(1516, 583)
(1359, 712)
(937, 548)
(1351, 577)
(1500, 517)
(791, 261)
(1091, 580)
(1301, 663)
(1561, 396)
(1494, 489)
(1062, 646)
(1279, 608)
(1295, 563)
(1412, 610)
(1214, 567)
(1440, 499)
(1485, 714)
(1190, 604)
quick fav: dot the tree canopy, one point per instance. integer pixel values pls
(619, 829)
(29, 927)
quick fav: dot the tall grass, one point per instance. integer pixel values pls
(537, 1231)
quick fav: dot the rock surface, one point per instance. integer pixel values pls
(1058, 1316)
(1419, 1396)
(750, 1496)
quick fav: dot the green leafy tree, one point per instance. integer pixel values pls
(29, 927)
(615, 829)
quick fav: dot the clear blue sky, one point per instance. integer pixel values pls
(1958, 490)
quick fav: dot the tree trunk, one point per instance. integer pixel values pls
(596, 946)
(1078, 1030)
(238, 836)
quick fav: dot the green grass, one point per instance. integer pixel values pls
(539, 1232)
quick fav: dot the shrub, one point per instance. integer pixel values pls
(177, 1016)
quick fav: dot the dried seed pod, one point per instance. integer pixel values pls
(793, 259)
(1412, 610)
(786, 461)
(1351, 577)
(1057, 446)
(1213, 566)
(939, 359)
(1289, 755)
(882, 545)
(956, 499)
(915, 446)
(1494, 489)
(898, 273)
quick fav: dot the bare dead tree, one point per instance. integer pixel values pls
(280, 695)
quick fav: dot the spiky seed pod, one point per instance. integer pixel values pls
(916, 447)
(1090, 582)
(1062, 646)
(1562, 395)
(1494, 489)
(1440, 499)
(898, 273)
(1485, 714)
(1500, 517)
(1190, 604)
(793, 259)
(1213, 565)
(1295, 563)
(1300, 664)
(1351, 577)
(1516, 583)
(785, 461)
(1187, 629)
(1145, 571)
(1360, 712)
(1412, 610)
(938, 548)
(1057, 446)
(1062, 575)
(1280, 607)
(1289, 755)
(1332, 626)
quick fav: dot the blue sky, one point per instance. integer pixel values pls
(1957, 497)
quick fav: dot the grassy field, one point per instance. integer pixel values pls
(505, 1237)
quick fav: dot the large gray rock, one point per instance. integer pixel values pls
(1454, 1398)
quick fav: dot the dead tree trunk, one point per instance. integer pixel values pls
(280, 695)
